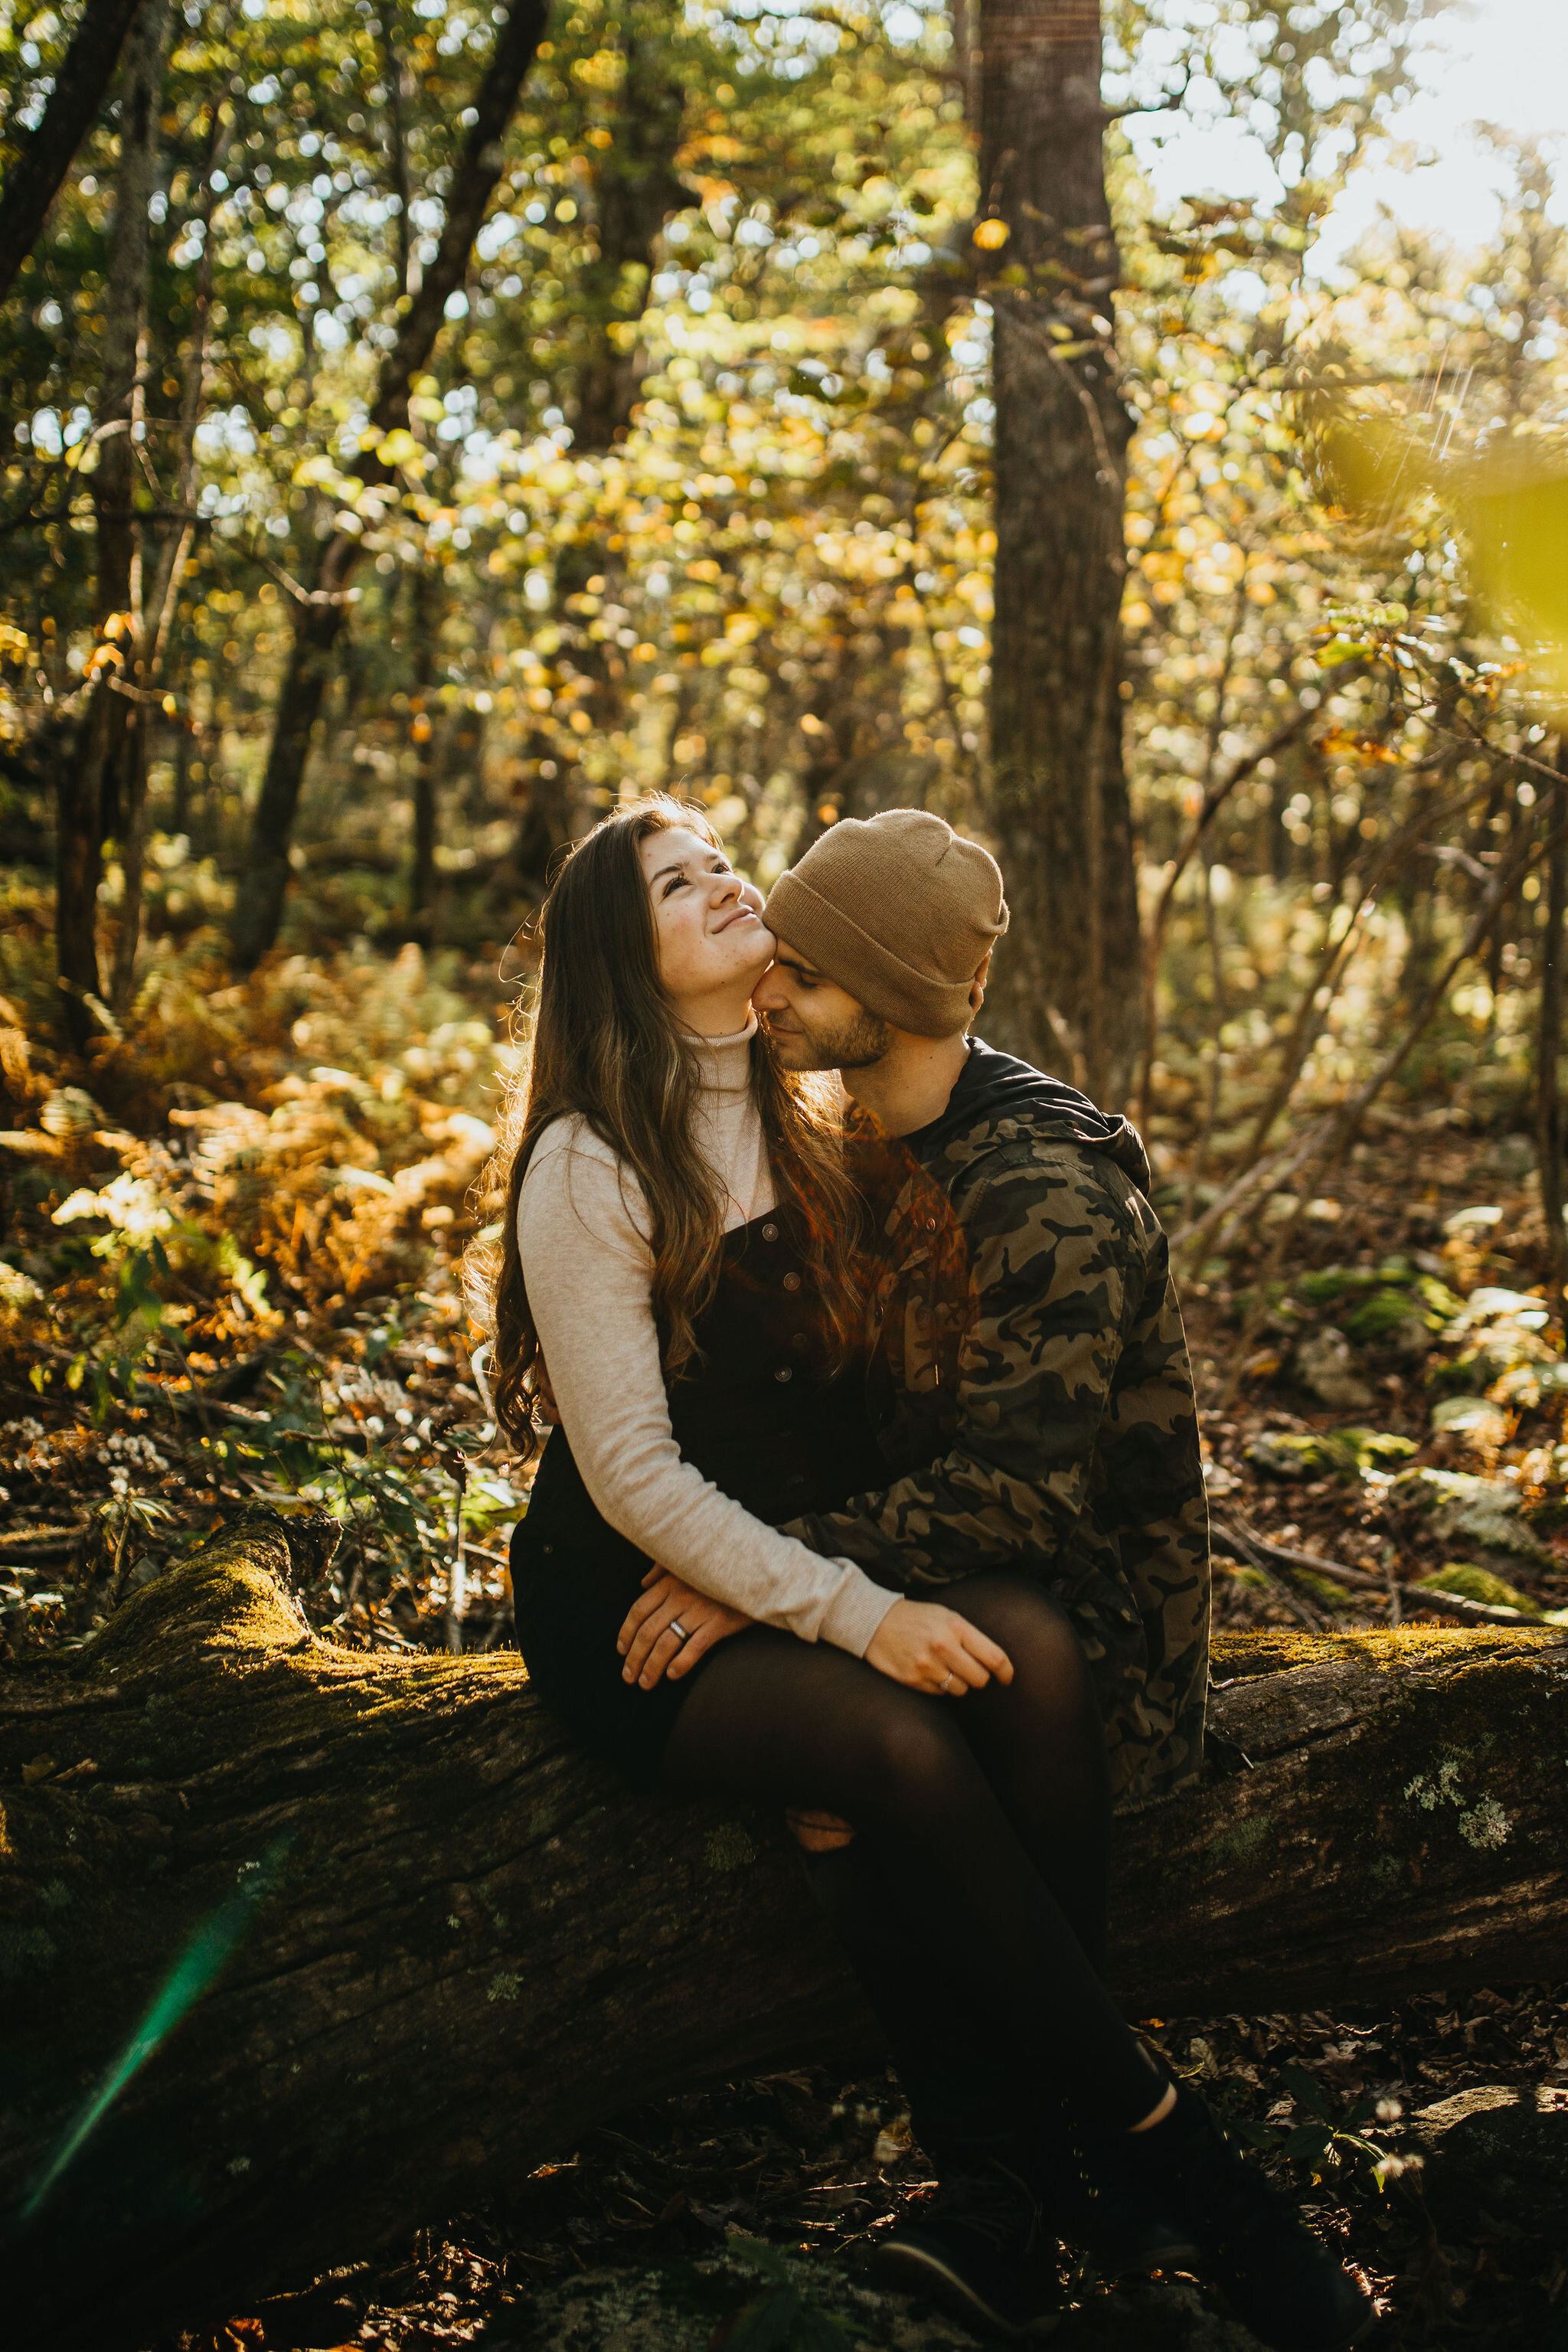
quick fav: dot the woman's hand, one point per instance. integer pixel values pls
(671, 1628)
(931, 1648)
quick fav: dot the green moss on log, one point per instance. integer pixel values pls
(1280, 1650)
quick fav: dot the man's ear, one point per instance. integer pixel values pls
(977, 985)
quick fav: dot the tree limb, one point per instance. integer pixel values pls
(34, 180)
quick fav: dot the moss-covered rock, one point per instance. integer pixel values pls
(1396, 1280)
(1317, 1453)
(1502, 2148)
(1393, 1324)
(1326, 1366)
(1469, 1582)
(1473, 1423)
(1484, 1513)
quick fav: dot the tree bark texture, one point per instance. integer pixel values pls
(102, 773)
(304, 1946)
(34, 180)
(1065, 986)
(318, 618)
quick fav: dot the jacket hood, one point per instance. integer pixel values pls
(995, 1086)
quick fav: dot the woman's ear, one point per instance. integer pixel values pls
(977, 985)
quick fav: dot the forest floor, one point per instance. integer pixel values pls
(260, 1298)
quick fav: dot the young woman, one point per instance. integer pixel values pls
(679, 1247)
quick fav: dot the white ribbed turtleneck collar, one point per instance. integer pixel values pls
(725, 1063)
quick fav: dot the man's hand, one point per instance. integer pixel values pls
(671, 1628)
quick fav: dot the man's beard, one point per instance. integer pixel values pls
(855, 1045)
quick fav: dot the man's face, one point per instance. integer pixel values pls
(813, 1024)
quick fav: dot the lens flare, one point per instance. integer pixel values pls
(1508, 502)
(196, 1967)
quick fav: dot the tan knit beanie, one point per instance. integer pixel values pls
(898, 911)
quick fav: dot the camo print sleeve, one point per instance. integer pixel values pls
(1056, 1277)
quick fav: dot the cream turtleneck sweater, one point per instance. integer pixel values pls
(582, 1226)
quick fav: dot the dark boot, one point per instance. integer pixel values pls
(1247, 2237)
(973, 2245)
(1101, 2211)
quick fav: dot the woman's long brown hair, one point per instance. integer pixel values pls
(606, 1046)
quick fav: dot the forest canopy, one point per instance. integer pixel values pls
(427, 426)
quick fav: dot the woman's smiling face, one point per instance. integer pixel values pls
(712, 945)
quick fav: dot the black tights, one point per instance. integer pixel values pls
(982, 1819)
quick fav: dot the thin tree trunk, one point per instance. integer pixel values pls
(635, 190)
(426, 622)
(153, 604)
(414, 1944)
(132, 853)
(9, 1108)
(180, 815)
(264, 880)
(1549, 1048)
(97, 783)
(1316, 997)
(1215, 795)
(1337, 1128)
(34, 180)
(1061, 807)
(391, 73)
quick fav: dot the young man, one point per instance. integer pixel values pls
(1030, 1379)
(1034, 1400)
(1033, 1367)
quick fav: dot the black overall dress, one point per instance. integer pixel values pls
(756, 1414)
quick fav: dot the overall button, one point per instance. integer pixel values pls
(784, 1372)
(770, 1233)
(792, 1281)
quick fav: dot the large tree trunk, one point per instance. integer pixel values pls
(34, 180)
(263, 883)
(304, 1944)
(1065, 991)
(103, 772)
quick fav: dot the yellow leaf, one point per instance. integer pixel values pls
(991, 236)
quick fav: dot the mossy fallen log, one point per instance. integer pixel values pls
(303, 1945)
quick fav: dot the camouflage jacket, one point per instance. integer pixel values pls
(1033, 1397)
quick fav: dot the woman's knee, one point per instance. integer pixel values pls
(1018, 1614)
(910, 1754)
